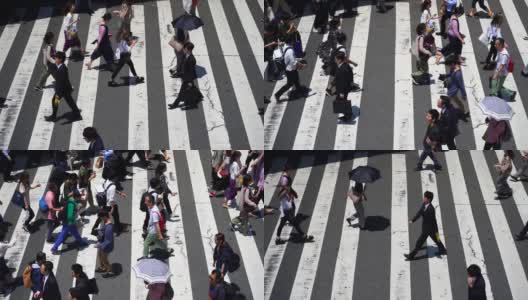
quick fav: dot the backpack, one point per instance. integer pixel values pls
(43, 206)
(161, 222)
(26, 276)
(281, 64)
(234, 262)
(101, 196)
(510, 65)
(18, 198)
(92, 286)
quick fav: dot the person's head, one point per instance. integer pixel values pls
(103, 215)
(107, 17)
(148, 200)
(219, 239)
(24, 178)
(458, 11)
(215, 278)
(426, 5)
(188, 47)
(497, 20)
(246, 180)
(41, 257)
(161, 168)
(431, 116)
(235, 156)
(77, 270)
(340, 57)
(428, 197)
(358, 187)
(509, 153)
(499, 43)
(69, 8)
(75, 194)
(341, 38)
(52, 187)
(453, 61)
(443, 102)
(334, 23)
(473, 271)
(90, 134)
(154, 183)
(48, 37)
(46, 268)
(420, 28)
(60, 57)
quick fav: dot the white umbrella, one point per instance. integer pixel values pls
(152, 270)
(496, 108)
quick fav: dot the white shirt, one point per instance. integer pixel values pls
(493, 31)
(425, 17)
(503, 58)
(153, 219)
(426, 206)
(343, 48)
(67, 20)
(110, 193)
(4, 246)
(234, 169)
(286, 204)
(123, 47)
(289, 58)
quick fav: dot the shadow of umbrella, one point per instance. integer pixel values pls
(376, 223)
(200, 71)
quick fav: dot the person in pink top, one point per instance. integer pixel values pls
(52, 210)
(104, 46)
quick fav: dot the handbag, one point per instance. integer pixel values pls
(18, 198)
(342, 106)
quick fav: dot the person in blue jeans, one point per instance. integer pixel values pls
(69, 225)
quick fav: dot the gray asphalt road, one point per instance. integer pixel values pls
(225, 116)
(376, 122)
(120, 286)
(372, 249)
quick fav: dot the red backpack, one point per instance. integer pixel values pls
(162, 222)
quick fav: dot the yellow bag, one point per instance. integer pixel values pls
(71, 34)
(56, 99)
(26, 277)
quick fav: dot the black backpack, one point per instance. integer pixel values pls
(101, 196)
(234, 262)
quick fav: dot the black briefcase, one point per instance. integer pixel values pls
(342, 106)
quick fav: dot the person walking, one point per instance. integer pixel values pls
(222, 254)
(81, 289)
(292, 67)
(69, 223)
(177, 42)
(321, 16)
(501, 72)
(424, 52)
(105, 245)
(492, 33)
(344, 80)
(33, 275)
(188, 77)
(357, 195)
(288, 215)
(235, 169)
(7, 283)
(476, 283)
(23, 189)
(482, 5)
(48, 54)
(495, 133)
(521, 171)
(50, 197)
(71, 33)
(431, 141)
(450, 6)
(154, 238)
(216, 286)
(104, 46)
(429, 227)
(165, 189)
(50, 287)
(455, 84)
(63, 88)
(504, 167)
(124, 56)
(447, 122)
(110, 188)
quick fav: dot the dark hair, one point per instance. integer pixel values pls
(48, 37)
(189, 46)
(60, 55)
(77, 269)
(458, 11)
(497, 19)
(90, 133)
(24, 176)
(147, 196)
(154, 182)
(500, 40)
(162, 167)
(429, 195)
(217, 276)
(334, 23)
(340, 56)
(420, 28)
(246, 180)
(107, 16)
(48, 266)
(102, 214)
(358, 187)
(434, 114)
(220, 236)
(341, 37)
(68, 7)
(473, 270)
(41, 256)
(446, 100)
(509, 153)
(51, 186)
(234, 156)
(425, 4)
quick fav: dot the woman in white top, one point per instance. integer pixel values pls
(493, 32)
(71, 38)
(23, 188)
(357, 195)
(235, 169)
(123, 54)
(288, 215)
(426, 16)
(48, 54)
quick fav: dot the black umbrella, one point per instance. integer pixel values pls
(187, 22)
(364, 174)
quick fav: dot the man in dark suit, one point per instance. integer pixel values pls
(448, 121)
(188, 75)
(343, 81)
(63, 88)
(50, 287)
(81, 289)
(429, 226)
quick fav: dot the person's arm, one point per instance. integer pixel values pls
(421, 46)
(417, 216)
(499, 69)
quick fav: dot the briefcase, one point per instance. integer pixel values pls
(342, 106)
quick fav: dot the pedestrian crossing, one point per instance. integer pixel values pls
(380, 44)
(348, 263)
(191, 233)
(228, 51)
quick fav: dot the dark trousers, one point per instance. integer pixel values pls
(450, 141)
(117, 222)
(491, 146)
(524, 231)
(481, 4)
(184, 86)
(31, 215)
(69, 100)
(492, 53)
(292, 79)
(6, 165)
(427, 153)
(105, 50)
(422, 238)
(124, 59)
(289, 217)
(445, 17)
(166, 202)
(348, 114)
(52, 224)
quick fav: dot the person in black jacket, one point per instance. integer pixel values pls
(431, 141)
(63, 88)
(476, 283)
(81, 289)
(188, 76)
(95, 141)
(448, 122)
(429, 226)
(50, 287)
(343, 78)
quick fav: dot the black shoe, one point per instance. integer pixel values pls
(441, 252)
(438, 167)
(261, 111)
(9, 178)
(409, 256)
(108, 275)
(349, 221)
(173, 106)
(176, 75)
(519, 237)
(267, 100)
(524, 74)
(112, 83)
(514, 178)
(279, 241)
(277, 98)
(513, 96)
(50, 118)
(38, 88)
(418, 168)
(139, 79)
(99, 270)
(308, 238)
(95, 232)
(77, 115)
